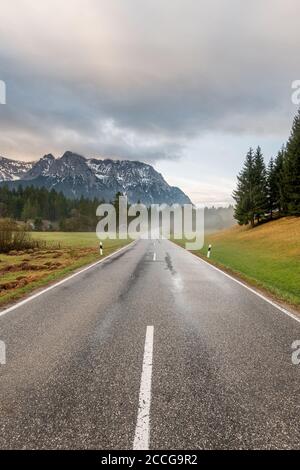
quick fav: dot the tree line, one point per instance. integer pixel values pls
(38, 205)
(264, 192)
(42, 209)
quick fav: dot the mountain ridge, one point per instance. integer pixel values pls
(77, 176)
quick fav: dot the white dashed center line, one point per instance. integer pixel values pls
(142, 430)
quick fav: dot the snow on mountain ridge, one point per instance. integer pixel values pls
(125, 171)
(77, 176)
(12, 170)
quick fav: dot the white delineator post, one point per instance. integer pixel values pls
(208, 251)
(101, 248)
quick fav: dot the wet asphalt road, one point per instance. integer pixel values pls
(222, 374)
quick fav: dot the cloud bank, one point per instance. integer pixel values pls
(143, 79)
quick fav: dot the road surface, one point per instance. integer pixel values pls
(152, 347)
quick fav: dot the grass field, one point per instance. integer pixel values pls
(267, 256)
(71, 239)
(21, 272)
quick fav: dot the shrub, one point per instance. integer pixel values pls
(14, 236)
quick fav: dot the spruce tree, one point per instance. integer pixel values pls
(279, 178)
(260, 185)
(272, 189)
(244, 211)
(291, 170)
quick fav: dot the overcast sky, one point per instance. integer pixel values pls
(186, 85)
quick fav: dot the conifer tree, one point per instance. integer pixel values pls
(278, 170)
(272, 189)
(291, 170)
(244, 194)
(259, 185)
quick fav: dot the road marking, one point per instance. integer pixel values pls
(154, 256)
(59, 283)
(142, 430)
(274, 304)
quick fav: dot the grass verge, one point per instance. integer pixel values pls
(22, 272)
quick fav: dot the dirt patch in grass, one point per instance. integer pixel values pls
(19, 282)
(61, 253)
(23, 268)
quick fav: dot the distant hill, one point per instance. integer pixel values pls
(77, 176)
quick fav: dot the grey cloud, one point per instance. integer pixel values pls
(138, 79)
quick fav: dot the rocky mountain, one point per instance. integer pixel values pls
(77, 176)
(11, 170)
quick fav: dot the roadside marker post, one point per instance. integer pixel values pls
(208, 251)
(101, 248)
